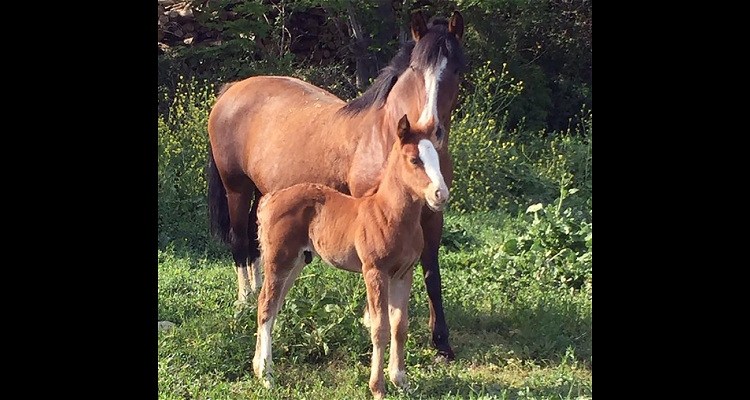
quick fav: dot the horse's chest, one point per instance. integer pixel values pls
(367, 166)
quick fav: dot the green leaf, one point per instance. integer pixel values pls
(511, 247)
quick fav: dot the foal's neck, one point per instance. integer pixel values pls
(396, 199)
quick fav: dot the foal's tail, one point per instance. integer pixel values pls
(218, 208)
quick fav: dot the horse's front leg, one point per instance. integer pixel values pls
(432, 228)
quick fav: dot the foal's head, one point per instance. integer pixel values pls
(419, 164)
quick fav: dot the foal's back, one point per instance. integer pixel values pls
(309, 217)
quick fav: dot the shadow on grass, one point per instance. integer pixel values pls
(544, 333)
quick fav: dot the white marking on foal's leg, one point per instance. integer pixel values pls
(264, 369)
(256, 278)
(431, 81)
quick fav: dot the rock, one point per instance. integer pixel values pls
(165, 325)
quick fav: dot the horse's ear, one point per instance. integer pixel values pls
(418, 26)
(456, 25)
(403, 128)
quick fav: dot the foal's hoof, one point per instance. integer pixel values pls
(268, 383)
(398, 378)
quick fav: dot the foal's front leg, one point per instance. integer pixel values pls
(398, 303)
(376, 282)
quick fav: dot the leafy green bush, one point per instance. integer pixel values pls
(497, 168)
(182, 152)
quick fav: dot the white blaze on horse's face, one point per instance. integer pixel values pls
(436, 193)
(431, 81)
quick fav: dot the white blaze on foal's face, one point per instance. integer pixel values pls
(431, 82)
(436, 193)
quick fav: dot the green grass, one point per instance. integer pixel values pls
(520, 322)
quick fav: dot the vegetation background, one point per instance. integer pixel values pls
(517, 250)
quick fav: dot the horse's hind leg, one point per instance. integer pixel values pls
(239, 205)
(398, 307)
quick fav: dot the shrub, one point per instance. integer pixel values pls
(183, 147)
(497, 168)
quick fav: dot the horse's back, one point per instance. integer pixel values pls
(278, 131)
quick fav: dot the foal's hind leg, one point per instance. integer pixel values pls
(255, 279)
(398, 306)
(280, 276)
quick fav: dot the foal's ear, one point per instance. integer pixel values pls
(456, 25)
(418, 26)
(403, 128)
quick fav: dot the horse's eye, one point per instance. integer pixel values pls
(415, 160)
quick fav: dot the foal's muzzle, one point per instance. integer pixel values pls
(438, 199)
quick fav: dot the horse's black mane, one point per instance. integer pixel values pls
(436, 42)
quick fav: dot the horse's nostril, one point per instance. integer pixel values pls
(438, 195)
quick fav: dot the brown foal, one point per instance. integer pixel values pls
(379, 235)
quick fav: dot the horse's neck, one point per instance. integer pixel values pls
(373, 132)
(408, 97)
(393, 197)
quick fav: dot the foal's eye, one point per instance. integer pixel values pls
(415, 160)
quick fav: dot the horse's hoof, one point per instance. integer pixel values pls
(445, 356)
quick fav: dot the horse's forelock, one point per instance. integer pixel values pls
(436, 44)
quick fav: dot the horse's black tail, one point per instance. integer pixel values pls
(218, 208)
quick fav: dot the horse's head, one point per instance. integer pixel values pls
(420, 166)
(438, 56)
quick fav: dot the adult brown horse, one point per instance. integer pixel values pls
(268, 133)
